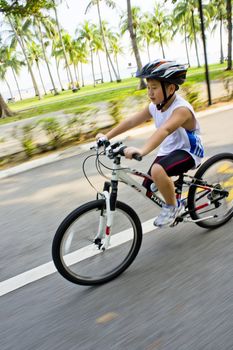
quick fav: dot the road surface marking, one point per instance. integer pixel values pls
(110, 316)
(47, 269)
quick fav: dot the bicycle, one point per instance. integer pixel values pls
(100, 239)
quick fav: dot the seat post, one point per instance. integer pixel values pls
(179, 186)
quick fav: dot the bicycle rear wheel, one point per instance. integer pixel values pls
(81, 261)
(217, 173)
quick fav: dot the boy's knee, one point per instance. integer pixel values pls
(157, 170)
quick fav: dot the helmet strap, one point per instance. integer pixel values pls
(166, 98)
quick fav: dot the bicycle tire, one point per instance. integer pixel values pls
(89, 209)
(201, 174)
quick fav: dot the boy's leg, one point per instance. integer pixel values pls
(175, 163)
(164, 184)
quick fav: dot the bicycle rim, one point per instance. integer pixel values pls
(219, 174)
(82, 260)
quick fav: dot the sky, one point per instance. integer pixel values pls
(71, 13)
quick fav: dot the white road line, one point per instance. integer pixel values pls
(47, 269)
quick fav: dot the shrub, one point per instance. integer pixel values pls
(191, 94)
(115, 106)
(25, 136)
(53, 130)
(73, 126)
(227, 80)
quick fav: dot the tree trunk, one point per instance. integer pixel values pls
(221, 45)
(161, 42)
(229, 28)
(4, 109)
(92, 67)
(76, 73)
(9, 88)
(16, 81)
(21, 43)
(142, 84)
(148, 51)
(46, 59)
(63, 47)
(38, 68)
(195, 40)
(58, 74)
(105, 45)
(82, 75)
(101, 71)
(186, 44)
(109, 70)
(117, 65)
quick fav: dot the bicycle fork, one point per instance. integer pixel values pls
(103, 236)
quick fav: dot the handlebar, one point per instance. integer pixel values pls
(115, 149)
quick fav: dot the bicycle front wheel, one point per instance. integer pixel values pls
(80, 260)
(212, 192)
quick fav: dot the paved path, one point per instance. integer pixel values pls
(177, 295)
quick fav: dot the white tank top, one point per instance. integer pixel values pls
(181, 138)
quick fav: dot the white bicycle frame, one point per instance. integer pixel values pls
(122, 175)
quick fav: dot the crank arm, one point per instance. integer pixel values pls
(203, 219)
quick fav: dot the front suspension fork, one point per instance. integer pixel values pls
(102, 238)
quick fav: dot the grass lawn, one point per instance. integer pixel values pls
(84, 98)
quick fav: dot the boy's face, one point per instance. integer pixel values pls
(155, 91)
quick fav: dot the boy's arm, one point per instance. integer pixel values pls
(178, 118)
(129, 123)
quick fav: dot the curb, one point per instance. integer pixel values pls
(76, 150)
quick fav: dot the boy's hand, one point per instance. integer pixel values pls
(129, 151)
(100, 136)
(101, 140)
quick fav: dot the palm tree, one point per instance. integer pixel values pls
(114, 42)
(180, 20)
(133, 37)
(52, 35)
(189, 9)
(217, 10)
(87, 32)
(111, 4)
(35, 54)
(13, 61)
(146, 32)
(81, 48)
(3, 72)
(4, 109)
(107, 33)
(38, 21)
(63, 47)
(98, 46)
(57, 53)
(19, 31)
(162, 25)
(195, 21)
(71, 49)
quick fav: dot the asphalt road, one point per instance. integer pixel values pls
(177, 295)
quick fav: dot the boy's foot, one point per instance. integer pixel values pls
(168, 215)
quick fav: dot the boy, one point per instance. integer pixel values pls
(176, 134)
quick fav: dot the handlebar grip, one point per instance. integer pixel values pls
(137, 156)
(103, 142)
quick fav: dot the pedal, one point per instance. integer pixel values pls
(176, 221)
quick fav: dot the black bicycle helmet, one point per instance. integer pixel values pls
(166, 72)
